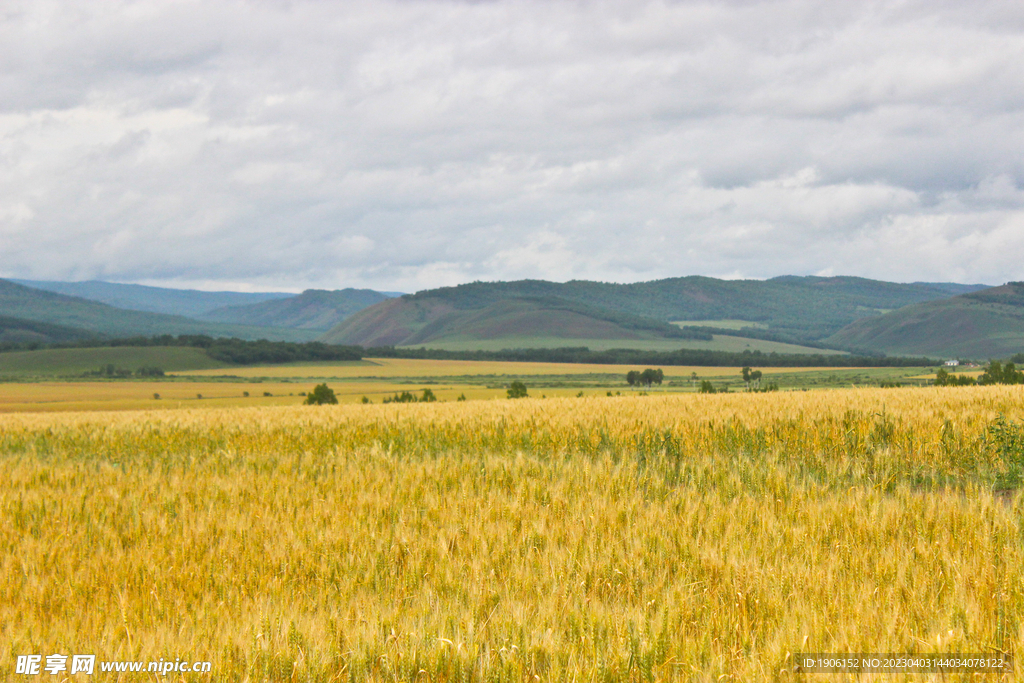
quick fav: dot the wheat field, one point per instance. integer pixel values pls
(657, 538)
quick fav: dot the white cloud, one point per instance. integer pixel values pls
(403, 145)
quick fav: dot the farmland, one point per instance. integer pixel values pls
(624, 538)
(53, 380)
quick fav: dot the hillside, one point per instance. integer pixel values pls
(190, 303)
(528, 322)
(785, 309)
(314, 309)
(978, 325)
(18, 301)
(421, 320)
(21, 331)
(800, 308)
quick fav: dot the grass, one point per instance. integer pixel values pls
(73, 362)
(632, 538)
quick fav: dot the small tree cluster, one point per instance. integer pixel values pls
(646, 378)
(408, 397)
(751, 376)
(944, 379)
(321, 395)
(995, 373)
(110, 370)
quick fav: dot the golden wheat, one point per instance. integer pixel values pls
(613, 539)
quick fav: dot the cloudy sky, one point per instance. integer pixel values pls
(409, 144)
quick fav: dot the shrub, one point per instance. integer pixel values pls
(517, 390)
(321, 394)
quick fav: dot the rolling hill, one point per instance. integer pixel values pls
(314, 309)
(978, 325)
(40, 306)
(21, 331)
(786, 309)
(190, 303)
(420, 320)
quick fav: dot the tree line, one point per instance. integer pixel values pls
(995, 373)
(110, 370)
(699, 357)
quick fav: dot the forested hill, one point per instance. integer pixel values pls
(802, 308)
(978, 325)
(18, 332)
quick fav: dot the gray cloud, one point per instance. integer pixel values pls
(408, 144)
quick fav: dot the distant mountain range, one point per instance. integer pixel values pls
(25, 312)
(190, 303)
(99, 319)
(786, 313)
(314, 309)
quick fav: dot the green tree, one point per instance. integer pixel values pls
(651, 376)
(517, 390)
(751, 377)
(706, 387)
(633, 378)
(321, 394)
(997, 373)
